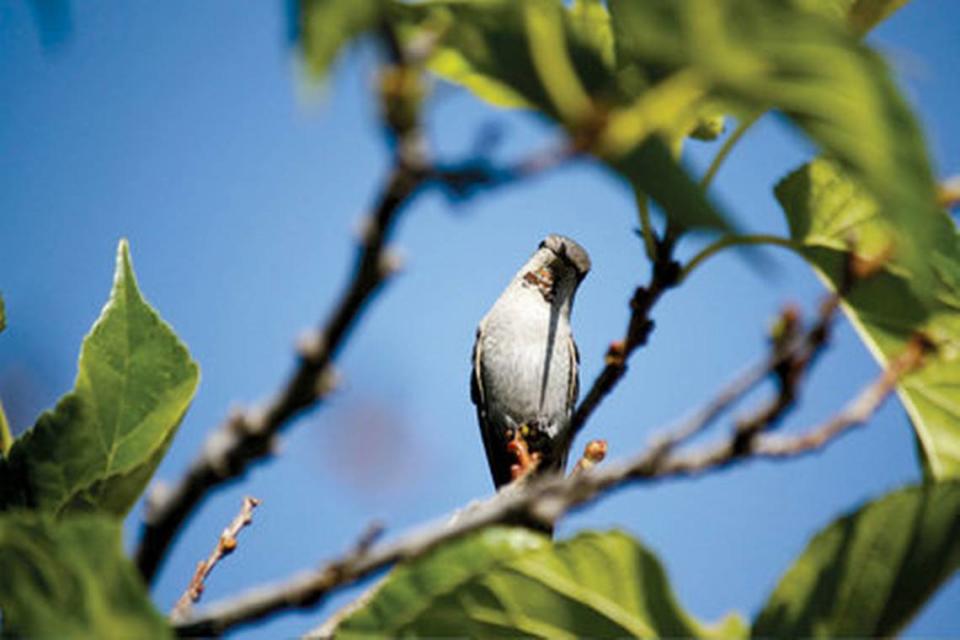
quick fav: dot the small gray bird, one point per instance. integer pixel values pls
(525, 378)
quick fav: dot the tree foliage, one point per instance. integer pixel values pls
(626, 83)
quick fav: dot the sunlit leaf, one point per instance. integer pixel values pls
(327, 26)
(869, 573)
(69, 578)
(490, 39)
(98, 448)
(590, 20)
(511, 582)
(758, 54)
(826, 209)
(860, 15)
(6, 436)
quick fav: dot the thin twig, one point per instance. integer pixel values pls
(546, 499)
(746, 122)
(857, 411)
(225, 546)
(664, 275)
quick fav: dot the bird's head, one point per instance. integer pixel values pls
(556, 269)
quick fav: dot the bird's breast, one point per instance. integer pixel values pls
(526, 362)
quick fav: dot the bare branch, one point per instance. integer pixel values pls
(856, 413)
(248, 436)
(546, 499)
(225, 546)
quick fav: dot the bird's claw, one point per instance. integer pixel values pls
(527, 462)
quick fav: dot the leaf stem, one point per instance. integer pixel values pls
(733, 241)
(728, 145)
(646, 226)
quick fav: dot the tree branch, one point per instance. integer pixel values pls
(546, 499)
(664, 275)
(248, 436)
(226, 544)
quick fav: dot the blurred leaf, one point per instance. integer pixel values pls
(487, 40)
(98, 448)
(651, 169)
(326, 26)
(869, 573)
(710, 126)
(6, 436)
(590, 20)
(860, 15)
(512, 582)
(487, 47)
(824, 208)
(69, 578)
(757, 54)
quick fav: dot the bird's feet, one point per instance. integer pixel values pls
(527, 461)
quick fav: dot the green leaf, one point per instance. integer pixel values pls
(860, 15)
(824, 209)
(491, 46)
(487, 40)
(69, 578)
(869, 573)
(757, 54)
(327, 26)
(590, 20)
(651, 169)
(98, 448)
(6, 437)
(512, 582)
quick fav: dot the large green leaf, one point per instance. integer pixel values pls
(69, 578)
(98, 448)
(757, 54)
(512, 582)
(327, 26)
(826, 209)
(869, 573)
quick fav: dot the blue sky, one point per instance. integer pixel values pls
(189, 129)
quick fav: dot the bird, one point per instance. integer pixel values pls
(525, 376)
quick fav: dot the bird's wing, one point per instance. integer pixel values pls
(573, 377)
(498, 457)
(476, 377)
